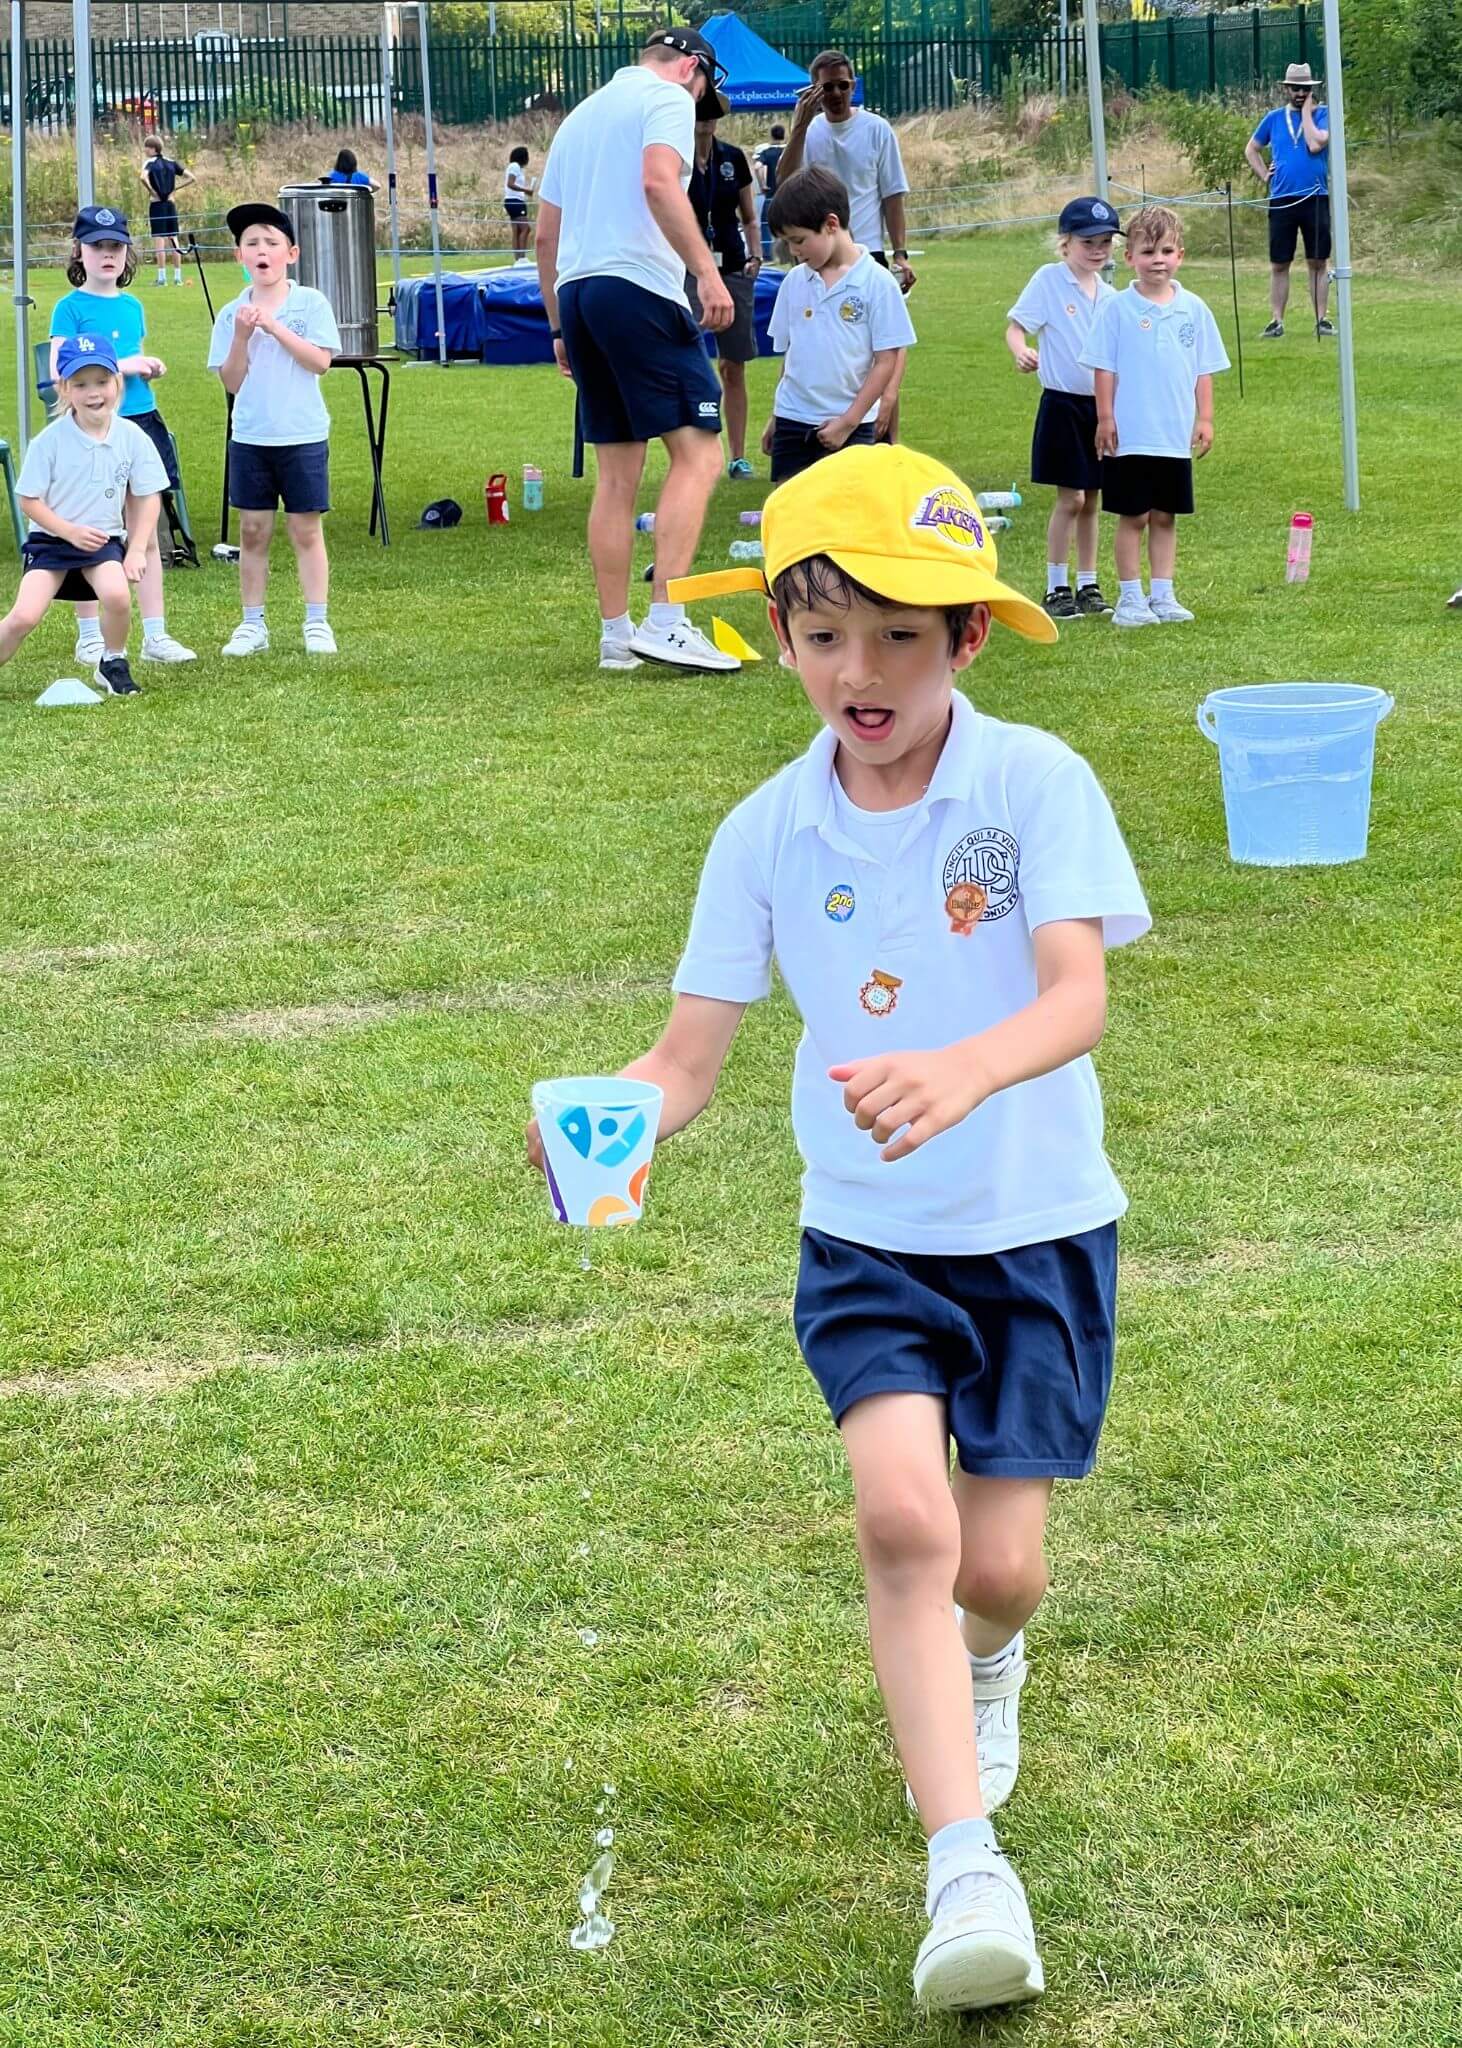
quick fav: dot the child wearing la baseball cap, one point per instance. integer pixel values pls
(938, 888)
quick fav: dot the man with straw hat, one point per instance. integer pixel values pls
(1297, 136)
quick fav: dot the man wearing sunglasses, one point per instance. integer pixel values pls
(858, 147)
(616, 236)
(1297, 136)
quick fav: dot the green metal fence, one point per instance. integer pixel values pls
(336, 81)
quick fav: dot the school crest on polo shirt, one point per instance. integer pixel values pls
(852, 309)
(985, 864)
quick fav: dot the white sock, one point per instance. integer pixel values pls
(948, 1843)
(178, 274)
(1085, 578)
(996, 1666)
(89, 632)
(1162, 586)
(253, 614)
(617, 629)
(667, 615)
(1132, 592)
(1055, 576)
(162, 277)
(153, 629)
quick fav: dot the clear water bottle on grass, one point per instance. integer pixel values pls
(1301, 536)
(747, 551)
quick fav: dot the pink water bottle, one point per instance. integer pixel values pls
(1301, 533)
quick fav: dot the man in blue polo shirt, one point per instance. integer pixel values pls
(1297, 136)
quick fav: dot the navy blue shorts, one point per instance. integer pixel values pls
(1017, 1344)
(639, 362)
(45, 551)
(516, 209)
(1134, 484)
(259, 479)
(795, 447)
(1063, 446)
(155, 428)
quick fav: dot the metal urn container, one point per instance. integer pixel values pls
(335, 226)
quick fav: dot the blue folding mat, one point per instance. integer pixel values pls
(497, 316)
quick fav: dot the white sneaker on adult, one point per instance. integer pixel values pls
(163, 647)
(981, 1951)
(681, 646)
(997, 1730)
(318, 637)
(614, 652)
(1134, 611)
(1168, 612)
(247, 638)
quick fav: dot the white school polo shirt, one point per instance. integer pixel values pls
(830, 334)
(1055, 309)
(864, 152)
(1158, 353)
(86, 480)
(1014, 819)
(595, 175)
(279, 403)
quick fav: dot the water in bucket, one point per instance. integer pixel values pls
(1296, 760)
(598, 1135)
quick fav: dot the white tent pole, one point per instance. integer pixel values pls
(431, 181)
(1094, 99)
(388, 95)
(1065, 32)
(1340, 204)
(17, 225)
(85, 102)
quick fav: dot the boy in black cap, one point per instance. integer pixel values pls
(271, 346)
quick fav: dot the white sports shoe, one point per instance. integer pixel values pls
(89, 650)
(318, 637)
(997, 1731)
(614, 652)
(247, 638)
(1134, 612)
(681, 646)
(163, 647)
(981, 1952)
(1168, 612)
(1454, 603)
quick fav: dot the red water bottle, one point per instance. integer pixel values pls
(495, 494)
(1301, 534)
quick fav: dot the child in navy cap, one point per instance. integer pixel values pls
(1057, 307)
(89, 487)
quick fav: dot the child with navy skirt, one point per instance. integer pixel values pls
(1057, 307)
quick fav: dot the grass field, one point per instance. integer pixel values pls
(308, 1411)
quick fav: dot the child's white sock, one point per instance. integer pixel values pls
(162, 276)
(1055, 576)
(177, 273)
(153, 629)
(945, 1846)
(996, 1666)
(253, 614)
(1085, 578)
(1132, 591)
(667, 614)
(1162, 586)
(89, 634)
(315, 614)
(617, 629)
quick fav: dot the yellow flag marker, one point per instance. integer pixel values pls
(730, 641)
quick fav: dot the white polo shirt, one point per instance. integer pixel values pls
(830, 334)
(1010, 810)
(595, 176)
(1159, 353)
(86, 480)
(279, 404)
(1055, 308)
(864, 152)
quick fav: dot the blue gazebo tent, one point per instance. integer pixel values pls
(756, 74)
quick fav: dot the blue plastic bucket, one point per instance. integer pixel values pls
(1296, 760)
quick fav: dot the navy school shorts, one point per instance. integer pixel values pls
(47, 551)
(259, 479)
(1134, 484)
(639, 362)
(1063, 446)
(153, 425)
(1017, 1344)
(795, 446)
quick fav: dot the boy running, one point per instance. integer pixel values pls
(938, 888)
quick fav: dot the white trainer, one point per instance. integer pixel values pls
(997, 1731)
(614, 652)
(318, 637)
(681, 646)
(89, 650)
(981, 1952)
(1454, 603)
(1134, 612)
(1168, 612)
(163, 647)
(247, 638)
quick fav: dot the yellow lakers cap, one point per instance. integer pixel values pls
(897, 522)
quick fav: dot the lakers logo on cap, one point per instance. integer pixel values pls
(949, 513)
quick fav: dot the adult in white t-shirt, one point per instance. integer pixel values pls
(858, 147)
(616, 235)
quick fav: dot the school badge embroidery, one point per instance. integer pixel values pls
(964, 906)
(879, 995)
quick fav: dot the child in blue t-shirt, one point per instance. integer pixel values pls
(102, 265)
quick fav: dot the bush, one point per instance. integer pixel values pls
(1210, 133)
